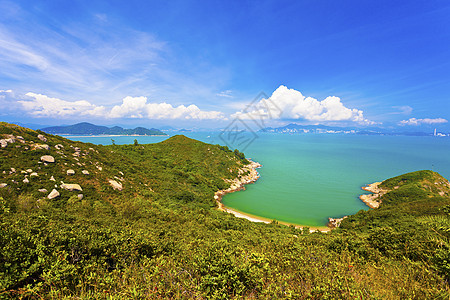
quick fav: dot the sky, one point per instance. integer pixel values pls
(205, 63)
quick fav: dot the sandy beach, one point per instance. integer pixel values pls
(238, 184)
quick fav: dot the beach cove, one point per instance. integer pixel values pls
(307, 178)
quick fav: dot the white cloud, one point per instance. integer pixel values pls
(132, 107)
(402, 110)
(44, 106)
(137, 107)
(226, 94)
(293, 105)
(415, 122)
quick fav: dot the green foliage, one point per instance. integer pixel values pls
(160, 237)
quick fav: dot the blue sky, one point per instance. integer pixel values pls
(200, 63)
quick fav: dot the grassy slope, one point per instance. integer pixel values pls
(161, 237)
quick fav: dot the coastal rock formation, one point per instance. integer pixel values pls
(48, 159)
(373, 200)
(335, 223)
(116, 185)
(53, 194)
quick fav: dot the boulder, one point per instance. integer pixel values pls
(12, 171)
(80, 196)
(41, 146)
(26, 180)
(43, 190)
(2, 185)
(116, 185)
(52, 178)
(85, 172)
(29, 170)
(3, 143)
(42, 138)
(59, 146)
(34, 174)
(48, 159)
(71, 187)
(70, 172)
(53, 194)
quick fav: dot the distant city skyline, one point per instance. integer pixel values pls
(200, 64)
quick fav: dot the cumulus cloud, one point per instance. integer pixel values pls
(415, 122)
(132, 107)
(138, 107)
(293, 105)
(44, 106)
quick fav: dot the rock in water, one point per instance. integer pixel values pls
(48, 159)
(116, 185)
(53, 194)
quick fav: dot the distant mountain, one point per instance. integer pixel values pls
(296, 128)
(91, 129)
(184, 130)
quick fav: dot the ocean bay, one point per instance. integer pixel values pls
(307, 178)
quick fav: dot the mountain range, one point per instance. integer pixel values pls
(91, 129)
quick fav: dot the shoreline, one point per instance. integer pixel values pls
(239, 185)
(372, 200)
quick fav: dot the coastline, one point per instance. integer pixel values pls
(108, 135)
(372, 200)
(238, 184)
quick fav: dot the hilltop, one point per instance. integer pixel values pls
(156, 232)
(91, 129)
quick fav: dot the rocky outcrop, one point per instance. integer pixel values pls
(373, 200)
(42, 138)
(71, 187)
(116, 185)
(48, 159)
(53, 194)
(335, 223)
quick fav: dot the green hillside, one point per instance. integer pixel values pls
(155, 232)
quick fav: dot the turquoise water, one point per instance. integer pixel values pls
(307, 178)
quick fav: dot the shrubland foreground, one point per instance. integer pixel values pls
(142, 223)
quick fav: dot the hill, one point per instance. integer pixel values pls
(156, 232)
(91, 129)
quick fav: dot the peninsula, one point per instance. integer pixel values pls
(91, 129)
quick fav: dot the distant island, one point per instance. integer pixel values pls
(91, 129)
(297, 128)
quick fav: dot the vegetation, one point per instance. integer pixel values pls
(161, 236)
(87, 128)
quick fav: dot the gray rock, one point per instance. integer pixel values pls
(3, 143)
(52, 178)
(116, 185)
(71, 187)
(85, 172)
(2, 185)
(41, 146)
(34, 174)
(42, 138)
(26, 180)
(80, 196)
(53, 194)
(29, 170)
(48, 159)
(70, 172)
(43, 190)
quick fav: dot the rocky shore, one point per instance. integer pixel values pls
(373, 200)
(239, 183)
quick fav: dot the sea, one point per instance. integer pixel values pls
(306, 178)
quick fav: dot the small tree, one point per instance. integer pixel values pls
(136, 142)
